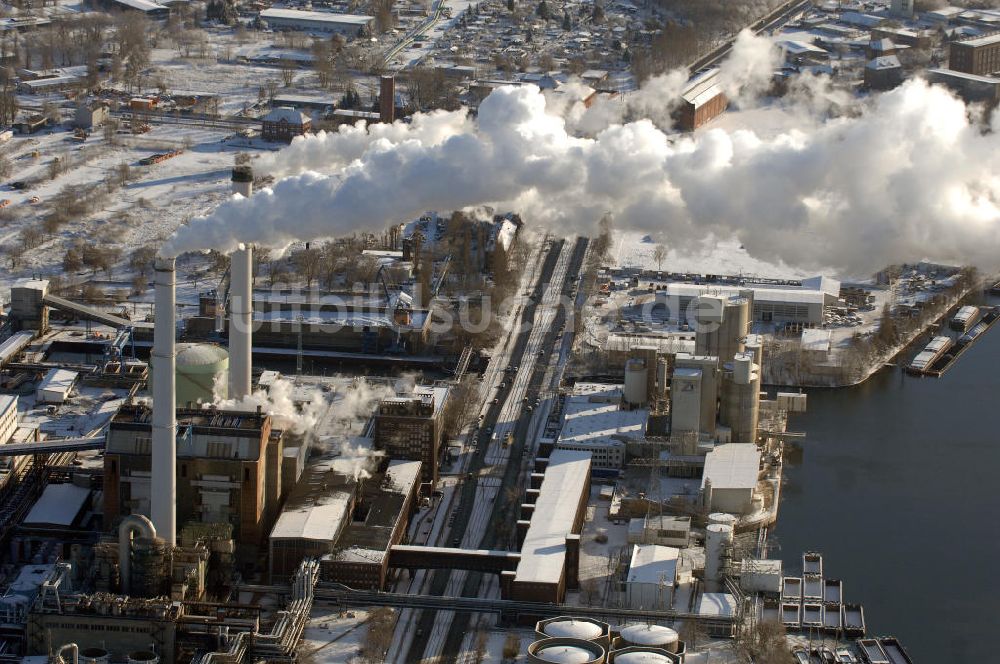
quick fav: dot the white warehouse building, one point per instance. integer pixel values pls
(652, 573)
(730, 478)
(348, 25)
(804, 304)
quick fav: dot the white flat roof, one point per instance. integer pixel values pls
(60, 380)
(543, 553)
(402, 474)
(319, 17)
(652, 563)
(58, 505)
(716, 604)
(592, 416)
(732, 466)
(320, 522)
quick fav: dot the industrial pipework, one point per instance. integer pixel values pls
(240, 322)
(163, 485)
(131, 524)
(76, 653)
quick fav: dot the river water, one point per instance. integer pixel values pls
(898, 488)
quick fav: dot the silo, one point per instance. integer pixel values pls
(649, 636)
(242, 179)
(585, 629)
(198, 364)
(741, 398)
(718, 545)
(723, 518)
(642, 655)
(565, 651)
(636, 382)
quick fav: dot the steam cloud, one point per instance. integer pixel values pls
(907, 176)
(340, 433)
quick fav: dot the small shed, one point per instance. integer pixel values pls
(56, 386)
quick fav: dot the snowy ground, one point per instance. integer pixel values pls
(333, 637)
(637, 250)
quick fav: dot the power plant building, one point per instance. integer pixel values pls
(227, 470)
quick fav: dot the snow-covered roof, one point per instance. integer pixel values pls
(816, 340)
(652, 563)
(543, 553)
(287, 114)
(59, 505)
(985, 40)
(402, 474)
(321, 522)
(593, 416)
(732, 466)
(319, 17)
(884, 62)
(716, 604)
(58, 380)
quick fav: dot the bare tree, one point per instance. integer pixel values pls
(659, 255)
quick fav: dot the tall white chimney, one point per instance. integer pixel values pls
(242, 179)
(163, 486)
(240, 322)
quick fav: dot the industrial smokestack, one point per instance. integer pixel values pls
(387, 99)
(163, 486)
(243, 180)
(240, 322)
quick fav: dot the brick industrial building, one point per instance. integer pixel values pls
(980, 55)
(409, 426)
(228, 470)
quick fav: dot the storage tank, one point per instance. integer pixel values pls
(718, 544)
(741, 398)
(724, 518)
(585, 629)
(635, 382)
(94, 656)
(642, 655)
(197, 366)
(565, 651)
(143, 657)
(650, 636)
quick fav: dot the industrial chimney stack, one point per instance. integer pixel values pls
(163, 485)
(387, 99)
(243, 180)
(240, 322)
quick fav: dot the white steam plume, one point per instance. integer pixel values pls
(331, 424)
(328, 152)
(746, 74)
(908, 177)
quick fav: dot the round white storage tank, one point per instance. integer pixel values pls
(94, 656)
(658, 636)
(565, 651)
(718, 538)
(197, 366)
(642, 655)
(723, 518)
(143, 657)
(573, 628)
(635, 382)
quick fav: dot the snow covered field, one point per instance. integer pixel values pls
(726, 257)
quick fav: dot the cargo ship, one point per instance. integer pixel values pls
(964, 318)
(926, 358)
